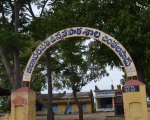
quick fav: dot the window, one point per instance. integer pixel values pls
(105, 103)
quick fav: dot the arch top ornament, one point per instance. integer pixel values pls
(106, 39)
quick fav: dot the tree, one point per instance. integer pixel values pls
(15, 42)
(126, 22)
(74, 67)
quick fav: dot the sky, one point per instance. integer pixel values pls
(105, 83)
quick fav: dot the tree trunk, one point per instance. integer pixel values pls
(14, 75)
(67, 106)
(8, 68)
(72, 79)
(79, 105)
(140, 73)
(16, 10)
(50, 115)
(8, 104)
(38, 99)
(15, 51)
(17, 70)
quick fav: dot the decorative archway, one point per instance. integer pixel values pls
(106, 39)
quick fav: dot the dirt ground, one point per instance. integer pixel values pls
(93, 116)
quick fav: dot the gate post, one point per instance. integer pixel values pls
(22, 105)
(134, 99)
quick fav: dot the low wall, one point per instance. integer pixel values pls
(2, 115)
(114, 118)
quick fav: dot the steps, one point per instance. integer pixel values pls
(114, 118)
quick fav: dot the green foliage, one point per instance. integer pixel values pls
(10, 39)
(38, 80)
(74, 51)
(130, 26)
(4, 83)
(20, 42)
(127, 21)
(3, 100)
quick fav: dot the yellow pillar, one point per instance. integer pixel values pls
(134, 99)
(22, 105)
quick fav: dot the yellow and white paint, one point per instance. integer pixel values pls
(135, 106)
(106, 39)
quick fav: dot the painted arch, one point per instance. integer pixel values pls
(106, 39)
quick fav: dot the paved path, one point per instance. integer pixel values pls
(93, 116)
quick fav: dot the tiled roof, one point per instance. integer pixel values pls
(79, 95)
(133, 82)
(67, 95)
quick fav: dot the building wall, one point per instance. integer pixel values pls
(88, 108)
(71, 100)
(61, 108)
(100, 95)
(74, 108)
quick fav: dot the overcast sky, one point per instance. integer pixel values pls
(105, 83)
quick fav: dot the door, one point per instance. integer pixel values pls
(83, 106)
(55, 109)
(69, 110)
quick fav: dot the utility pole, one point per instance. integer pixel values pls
(112, 86)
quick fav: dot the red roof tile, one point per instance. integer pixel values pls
(24, 89)
(133, 82)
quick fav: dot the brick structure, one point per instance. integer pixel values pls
(22, 105)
